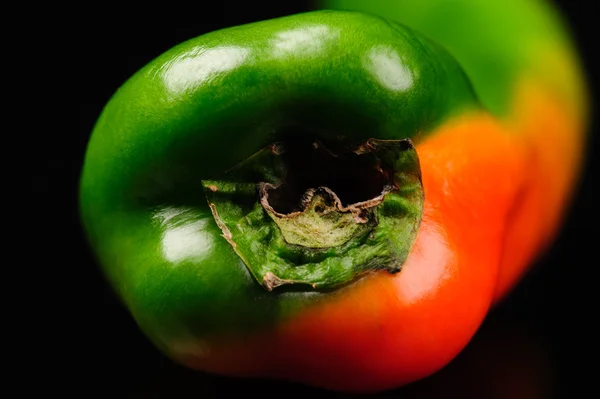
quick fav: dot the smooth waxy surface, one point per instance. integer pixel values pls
(208, 104)
(497, 43)
(525, 70)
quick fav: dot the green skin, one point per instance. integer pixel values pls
(498, 42)
(209, 104)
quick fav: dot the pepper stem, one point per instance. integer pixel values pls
(321, 218)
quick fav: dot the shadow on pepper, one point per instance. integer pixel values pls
(505, 359)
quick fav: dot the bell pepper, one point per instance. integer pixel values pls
(322, 197)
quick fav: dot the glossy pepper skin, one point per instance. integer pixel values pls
(336, 77)
(526, 72)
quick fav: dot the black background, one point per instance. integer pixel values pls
(537, 339)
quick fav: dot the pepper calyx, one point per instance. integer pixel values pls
(299, 213)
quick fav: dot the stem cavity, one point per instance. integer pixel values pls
(299, 213)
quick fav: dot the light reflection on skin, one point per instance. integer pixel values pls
(307, 41)
(387, 68)
(184, 237)
(431, 248)
(200, 65)
(192, 347)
